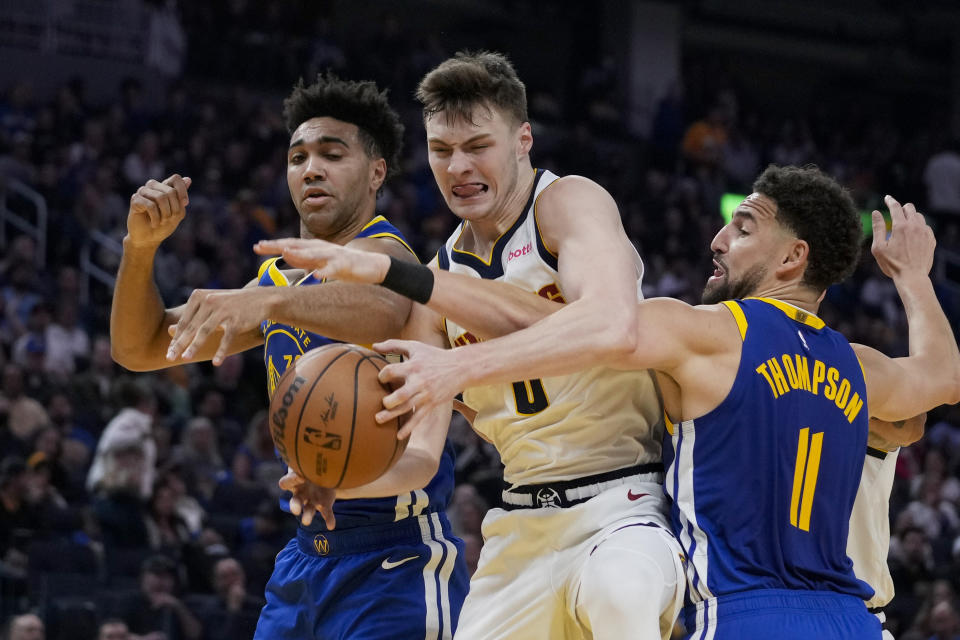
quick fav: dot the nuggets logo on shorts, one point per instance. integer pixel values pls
(547, 497)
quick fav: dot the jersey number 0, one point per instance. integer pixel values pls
(530, 396)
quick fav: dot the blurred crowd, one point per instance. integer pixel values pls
(146, 505)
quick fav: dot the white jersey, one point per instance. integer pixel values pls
(563, 427)
(869, 539)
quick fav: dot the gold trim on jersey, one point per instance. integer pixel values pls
(271, 269)
(795, 313)
(668, 423)
(738, 316)
(536, 221)
(387, 234)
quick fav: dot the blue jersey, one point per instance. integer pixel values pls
(283, 344)
(763, 485)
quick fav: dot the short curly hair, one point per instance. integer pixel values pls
(467, 80)
(358, 102)
(820, 211)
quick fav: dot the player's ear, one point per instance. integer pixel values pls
(524, 139)
(378, 173)
(796, 256)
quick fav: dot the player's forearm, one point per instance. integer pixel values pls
(412, 471)
(933, 347)
(580, 336)
(486, 308)
(357, 313)
(137, 313)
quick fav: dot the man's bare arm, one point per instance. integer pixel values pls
(900, 388)
(900, 433)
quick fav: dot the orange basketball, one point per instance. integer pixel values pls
(322, 417)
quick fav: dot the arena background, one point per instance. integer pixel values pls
(669, 105)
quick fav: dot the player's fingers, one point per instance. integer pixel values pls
(303, 258)
(276, 246)
(290, 481)
(879, 231)
(393, 346)
(296, 505)
(148, 205)
(208, 326)
(306, 518)
(172, 330)
(326, 512)
(896, 211)
(910, 212)
(179, 185)
(229, 331)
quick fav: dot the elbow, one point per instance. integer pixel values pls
(618, 339)
(129, 359)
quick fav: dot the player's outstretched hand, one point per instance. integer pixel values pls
(328, 260)
(427, 378)
(156, 210)
(232, 311)
(308, 499)
(908, 249)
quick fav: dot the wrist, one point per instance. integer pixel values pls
(912, 281)
(143, 246)
(411, 280)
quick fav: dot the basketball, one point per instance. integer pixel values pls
(322, 417)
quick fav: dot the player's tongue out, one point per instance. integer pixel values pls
(469, 190)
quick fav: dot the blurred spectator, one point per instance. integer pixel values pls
(117, 504)
(166, 530)
(113, 629)
(704, 140)
(67, 342)
(942, 178)
(26, 627)
(143, 163)
(199, 456)
(24, 414)
(156, 607)
(944, 622)
(232, 611)
(131, 427)
(18, 519)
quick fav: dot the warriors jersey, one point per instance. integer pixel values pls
(763, 485)
(563, 427)
(283, 344)
(869, 539)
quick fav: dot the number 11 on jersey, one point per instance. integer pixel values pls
(805, 478)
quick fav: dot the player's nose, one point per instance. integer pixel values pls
(459, 163)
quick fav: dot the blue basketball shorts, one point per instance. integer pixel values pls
(403, 579)
(781, 614)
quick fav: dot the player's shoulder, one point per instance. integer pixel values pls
(389, 244)
(572, 186)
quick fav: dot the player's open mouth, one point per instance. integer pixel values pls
(470, 190)
(315, 196)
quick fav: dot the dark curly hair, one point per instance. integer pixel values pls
(818, 210)
(357, 102)
(458, 85)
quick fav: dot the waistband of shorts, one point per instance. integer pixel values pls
(775, 599)
(567, 493)
(338, 542)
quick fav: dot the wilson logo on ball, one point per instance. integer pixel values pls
(279, 416)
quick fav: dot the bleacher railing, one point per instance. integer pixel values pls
(35, 228)
(97, 243)
(106, 29)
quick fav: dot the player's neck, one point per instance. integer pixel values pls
(793, 294)
(480, 235)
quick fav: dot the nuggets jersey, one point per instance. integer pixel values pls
(869, 541)
(563, 427)
(763, 485)
(283, 344)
